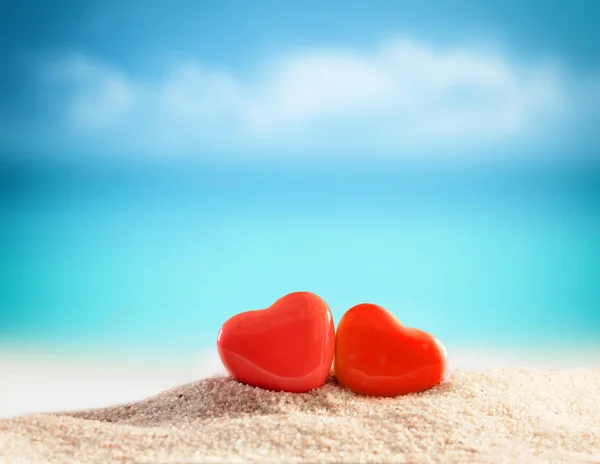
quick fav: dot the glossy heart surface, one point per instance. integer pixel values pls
(376, 355)
(288, 346)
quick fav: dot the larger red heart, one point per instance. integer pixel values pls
(288, 346)
(376, 355)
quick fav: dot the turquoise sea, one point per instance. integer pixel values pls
(157, 256)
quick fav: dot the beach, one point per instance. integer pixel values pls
(494, 415)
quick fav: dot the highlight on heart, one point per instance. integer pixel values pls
(291, 346)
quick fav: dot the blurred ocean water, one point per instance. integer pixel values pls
(99, 255)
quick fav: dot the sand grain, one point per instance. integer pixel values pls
(503, 415)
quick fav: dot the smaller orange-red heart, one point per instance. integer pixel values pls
(288, 346)
(376, 355)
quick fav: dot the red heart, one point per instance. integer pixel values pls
(376, 355)
(288, 346)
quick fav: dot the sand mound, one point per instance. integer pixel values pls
(506, 415)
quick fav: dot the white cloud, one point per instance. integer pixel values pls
(191, 94)
(405, 95)
(99, 96)
(317, 85)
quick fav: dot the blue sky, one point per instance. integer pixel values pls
(353, 80)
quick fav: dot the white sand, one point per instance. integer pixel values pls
(501, 415)
(44, 379)
(42, 383)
